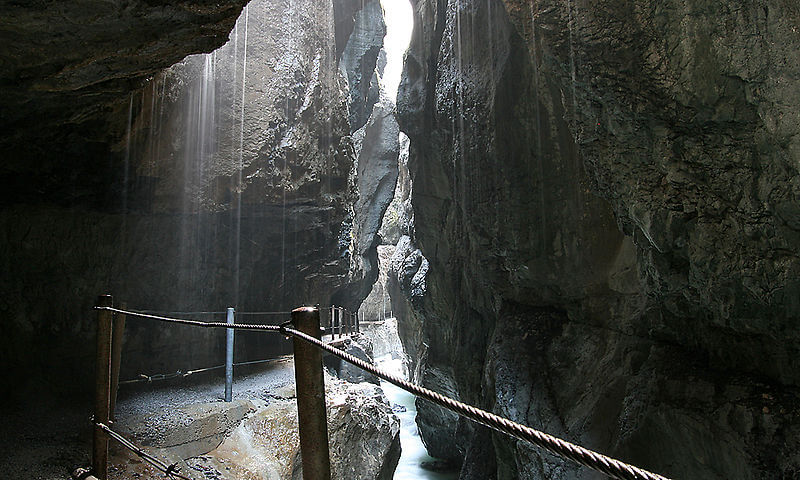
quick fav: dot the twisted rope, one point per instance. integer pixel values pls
(194, 323)
(166, 376)
(168, 470)
(612, 467)
(609, 466)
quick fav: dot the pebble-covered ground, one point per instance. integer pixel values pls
(46, 438)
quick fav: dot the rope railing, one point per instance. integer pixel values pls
(220, 312)
(194, 323)
(609, 466)
(142, 378)
(171, 470)
(612, 467)
(337, 315)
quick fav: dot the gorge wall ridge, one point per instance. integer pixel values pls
(607, 188)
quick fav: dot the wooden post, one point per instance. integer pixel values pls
(311, 414)
(102, 396)
(229, 357)
(117, 336)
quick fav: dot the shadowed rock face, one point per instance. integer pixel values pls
(201, 187)
(375, 139)
(68, 69)
(603, 195)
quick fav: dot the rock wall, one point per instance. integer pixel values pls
(68, 69)
(603, 194)
(226, 180)
(376, 143)
(377, 305)
(256, 435)
(378, 147)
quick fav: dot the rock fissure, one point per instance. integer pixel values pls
(616, 182)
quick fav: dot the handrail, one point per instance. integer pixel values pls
(609, 466)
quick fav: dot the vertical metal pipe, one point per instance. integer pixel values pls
(229, 357)
(117, 336)
(311, 414)
(337, 327)
(102, 393)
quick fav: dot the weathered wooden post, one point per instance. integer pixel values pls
(117, 336)
(102, 393)
(229, 357)
(311, 414)
(344, 328)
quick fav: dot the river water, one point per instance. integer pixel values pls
(414, 453)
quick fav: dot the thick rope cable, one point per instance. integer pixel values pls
(166, 376)
(609, 466)
(183, 313)
(168, 470)
(245, 314)
(194, 323)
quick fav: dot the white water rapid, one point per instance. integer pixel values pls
(414, 455)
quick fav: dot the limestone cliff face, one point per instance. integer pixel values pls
(359, 60)
(68, 70)
(376, 144)
(604, 194)
(225, 180)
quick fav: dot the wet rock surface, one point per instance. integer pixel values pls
(377, 146)
(618, 177)
(361, 348)
(224, 180)
(378, 305)
(255, 436)
(360, 60)
(68, 70)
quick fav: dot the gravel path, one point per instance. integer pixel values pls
(47, 438)
(256, 381)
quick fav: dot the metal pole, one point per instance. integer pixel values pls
(229, 358)
(102, 393)
(117, 334)
(310, 382)
(337, 321)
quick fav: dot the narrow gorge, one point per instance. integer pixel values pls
(587, 215)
